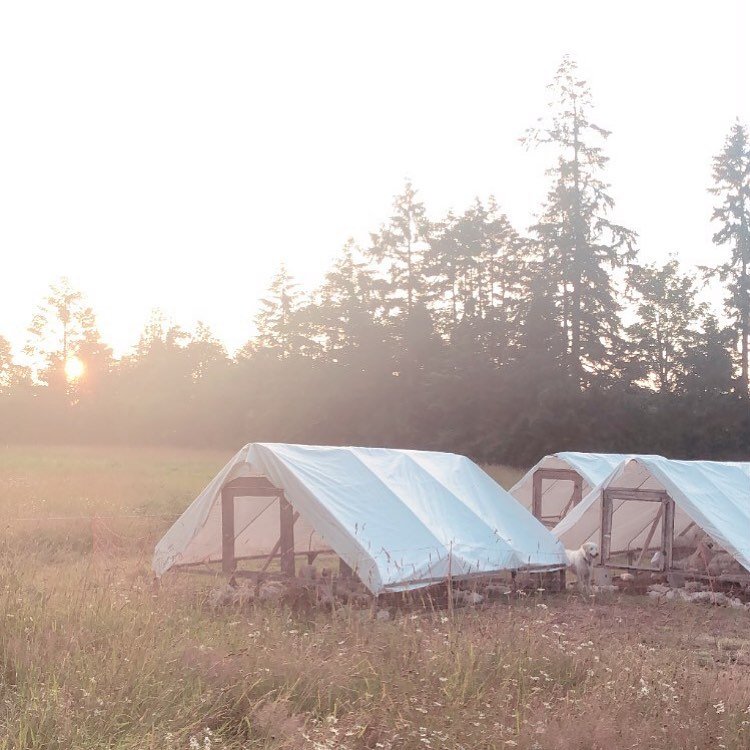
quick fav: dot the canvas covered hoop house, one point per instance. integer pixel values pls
(655, 505)
(400, 519)
(555, 485)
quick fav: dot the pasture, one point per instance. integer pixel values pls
(93, 656)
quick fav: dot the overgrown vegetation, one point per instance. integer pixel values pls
(458, 332)
(91, 656)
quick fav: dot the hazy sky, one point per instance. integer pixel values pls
(171, 154)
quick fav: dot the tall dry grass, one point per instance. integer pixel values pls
(91, 656)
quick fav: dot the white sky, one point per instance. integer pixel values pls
(171, 154)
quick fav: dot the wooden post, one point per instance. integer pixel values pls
(577, 490)
(606, 524)
(286, 536)
(563, 579)
(276, 547)
(227, 532)
(536, 496)
(668, 534)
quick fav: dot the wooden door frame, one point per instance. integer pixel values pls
(256, 486)
(537, 494)
(666, 514)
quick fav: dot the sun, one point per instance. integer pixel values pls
(74, 369)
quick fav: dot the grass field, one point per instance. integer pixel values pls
(94, 657)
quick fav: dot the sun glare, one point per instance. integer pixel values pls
(74, 369)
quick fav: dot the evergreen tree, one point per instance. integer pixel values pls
(457, 270)
(398, 248)
(578, 241)
(539, 333)
(95, 355)
(154, 385)
(156, 333)
(475, 273)
(664, 332)
(346, 316)
(442, 263)
(282, 331)
(205, 352)
(708, 364)
(509, 260)
(731, 174)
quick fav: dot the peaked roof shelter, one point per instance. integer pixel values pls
(556, 484)
(651, 504)
(400, 519)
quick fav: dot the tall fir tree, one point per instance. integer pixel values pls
(205, 352)
(579, 243)
(282, 331)
(664, 332)
(398, 249)
(346, 315)
(474, 278)
(708, 363)
(509, 260)
(731, 176)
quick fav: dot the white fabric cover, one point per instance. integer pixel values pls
(714, 495)
(399, 518)
(594, 468)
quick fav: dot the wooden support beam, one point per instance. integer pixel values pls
(606, 527)
(536, 497)
(286, 536)
(564, 474)
(227, 532)
(686, 529)
(648, 496)
(254, 486)
(577, 490)
(618, 566)
(277, 547)
(668, 534)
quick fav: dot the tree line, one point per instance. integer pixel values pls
(462, 333)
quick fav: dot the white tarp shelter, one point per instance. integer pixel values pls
(712, 496)
(561, 480)
(398, 518)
